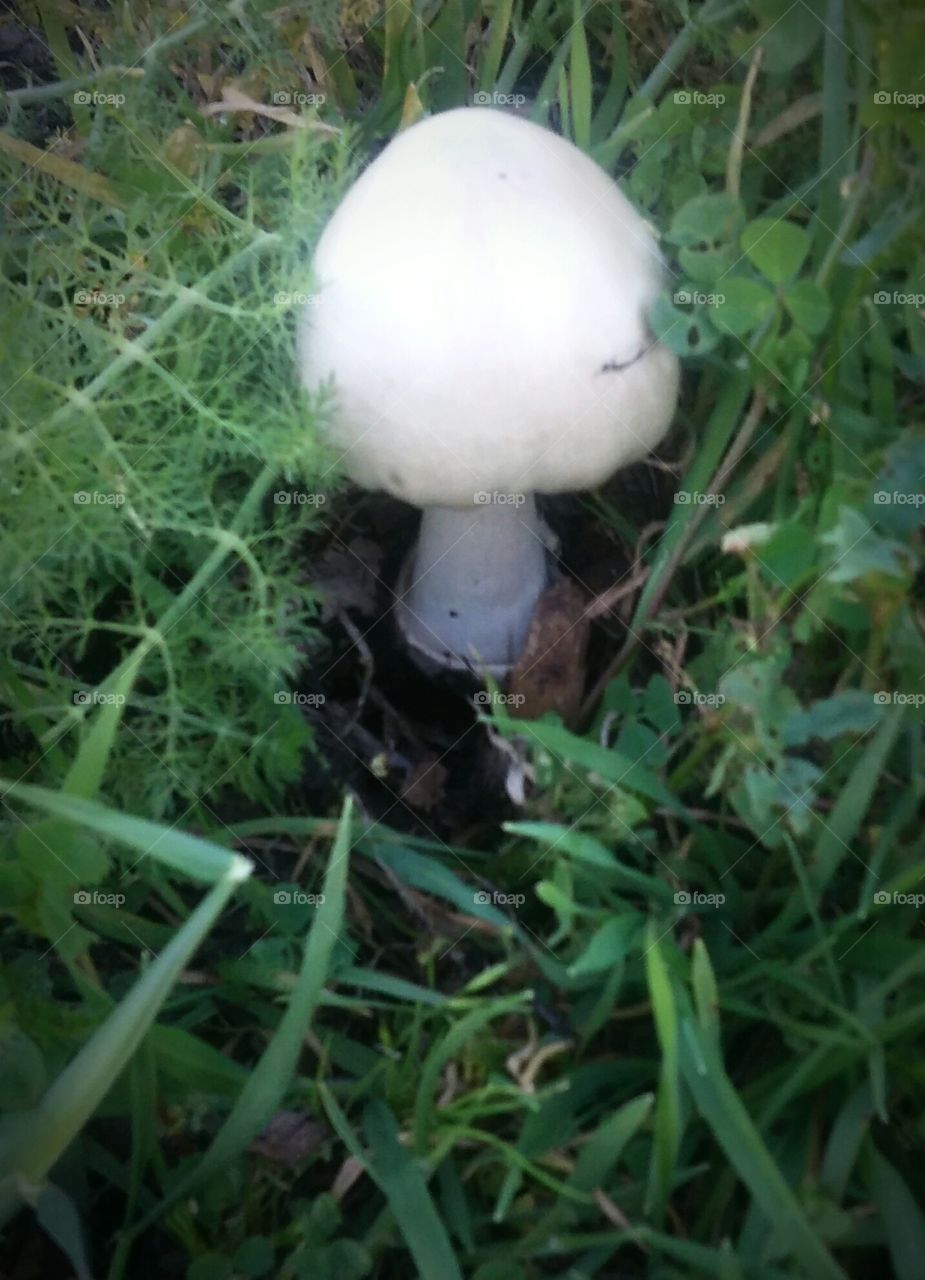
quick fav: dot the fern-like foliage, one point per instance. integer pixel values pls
(150, 410)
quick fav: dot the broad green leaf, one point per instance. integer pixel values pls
(809, 305)
(685, 332)
(744, 305)
(706, 221)
(776, 247)
(857, 549)
(851, 711)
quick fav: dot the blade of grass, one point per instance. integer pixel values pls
(443, 1050)
(668, 1124)
(497, 38)
(735, 1132)
(266, 1085)
(841, 826)
(580, 80)
(404, 1187)
(31, 1142)
(197, 858)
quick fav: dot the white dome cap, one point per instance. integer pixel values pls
(480, 285)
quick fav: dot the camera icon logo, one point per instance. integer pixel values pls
(882, 298)
(882, 898)
(682, 898)
(81, 698)
(881, 498)
(82, 98)
(683, 697)
(682, 97)
(282, 499)
(682, 298)
(882, 98)
(881, 698)
(282, 697)
(282, 896)
(81, 897)
(482, 498)
(482, 99)
(682, 498)
(81, 499)
(481, 899)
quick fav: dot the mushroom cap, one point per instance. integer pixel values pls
(482, 286)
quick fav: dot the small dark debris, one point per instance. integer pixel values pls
(289, 1138)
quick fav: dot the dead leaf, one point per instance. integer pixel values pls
(62, 170)
(549, 675)
(236, 100)
(348, 577)
(424, 788)
(289, 1138)
(181, 148)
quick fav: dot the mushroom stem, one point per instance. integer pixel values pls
(473, 580)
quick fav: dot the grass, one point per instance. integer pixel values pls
(662, 1017)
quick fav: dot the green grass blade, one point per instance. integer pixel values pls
(902, 1217)
(441, 1053)
(735, 1132)
(403, 1185)
(580, 81)
(32, 1142)
(497, 38)
(267, 1083)
(195, 857)
(668, 1123)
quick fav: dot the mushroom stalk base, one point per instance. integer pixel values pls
(469, 587)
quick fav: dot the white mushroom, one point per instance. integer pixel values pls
(482, 314)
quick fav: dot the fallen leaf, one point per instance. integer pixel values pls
(348, 577)
(424, 788)
(235, 100)
(289, 1138)
(549, 675)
